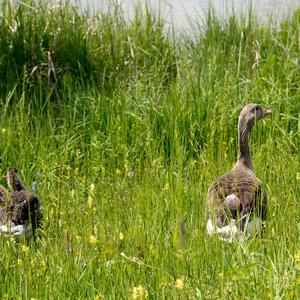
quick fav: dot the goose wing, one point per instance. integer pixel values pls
(240, 182)
(25, 207)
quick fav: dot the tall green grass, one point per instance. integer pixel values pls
(150, 120)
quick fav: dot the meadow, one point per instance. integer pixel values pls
(123, 125)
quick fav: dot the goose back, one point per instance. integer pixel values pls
(241, 182)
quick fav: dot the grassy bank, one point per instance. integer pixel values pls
(126, 126)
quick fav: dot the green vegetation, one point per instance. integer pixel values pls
(128, 125)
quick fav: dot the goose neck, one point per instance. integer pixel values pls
(244, 130)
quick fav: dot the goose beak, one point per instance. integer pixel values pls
(267, 112)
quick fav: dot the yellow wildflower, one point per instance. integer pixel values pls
(3, 130)
(19, 262)
(78, 154)
(92, 187)
(166, 187)
(118, 172)
(139, 293)
(93, 240)
(298, 176)
(25, 249)
(43, 265)
(297, 261)
(121, 236)
(179, 283)
(90, 202)
(273, 231)
(99, 296)
(297, 256)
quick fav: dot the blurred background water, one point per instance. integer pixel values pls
(184, 12)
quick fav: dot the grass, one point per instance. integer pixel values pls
(127, 126)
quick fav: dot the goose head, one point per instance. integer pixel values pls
(14, 180)
(252, 113)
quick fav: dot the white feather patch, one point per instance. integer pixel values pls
(17, 231)
(230, 232)
(225, 233)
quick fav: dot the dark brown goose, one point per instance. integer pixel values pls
(236, 197)
(25, 205)
(22, 214)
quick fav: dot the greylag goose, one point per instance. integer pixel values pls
(235, 200)
(22, 215)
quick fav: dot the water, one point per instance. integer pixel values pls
(182, 12)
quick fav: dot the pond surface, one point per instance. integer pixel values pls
(182, 12)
